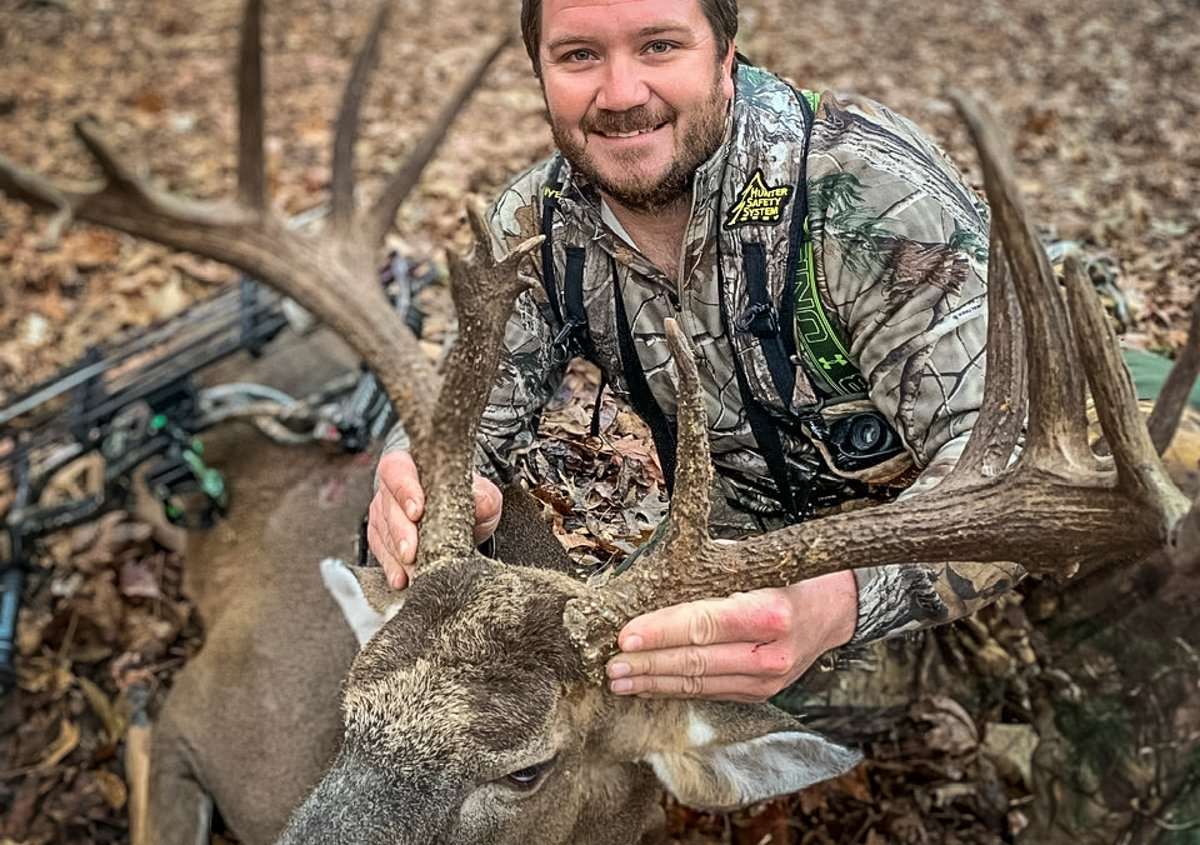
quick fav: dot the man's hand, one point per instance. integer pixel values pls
(397, 509)
(746, 647)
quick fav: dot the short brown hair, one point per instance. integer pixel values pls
(722, 17)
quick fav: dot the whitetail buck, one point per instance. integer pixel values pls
(476, 712)
(252, 721)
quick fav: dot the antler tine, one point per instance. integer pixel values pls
(1139, 470)
(346, 129)
(687, 522)
(484, 291)
(1183, 546)
(1057, 417)
(120, 176)
(1168, 408)
(252, 189)
(334, 277)
(1005, 396)
(381, 216)
(592, 621)
(39, 191)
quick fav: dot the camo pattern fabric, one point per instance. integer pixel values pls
(900, 249)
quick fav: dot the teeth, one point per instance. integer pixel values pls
(629, 134)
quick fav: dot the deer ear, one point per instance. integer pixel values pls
(363, 594)
(731, 755)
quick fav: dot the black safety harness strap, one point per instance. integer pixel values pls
(773, 329)
(550, 194)
(762, 426)
(573, 337)
(763, 321)
(662, 429)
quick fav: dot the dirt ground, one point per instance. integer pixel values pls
(1099, 97)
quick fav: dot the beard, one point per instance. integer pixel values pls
(635, 191)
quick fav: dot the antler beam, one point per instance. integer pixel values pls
(332, 274)
(1056, 505)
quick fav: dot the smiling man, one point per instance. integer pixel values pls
(829, 264)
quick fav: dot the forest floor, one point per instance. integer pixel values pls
(1099, 99)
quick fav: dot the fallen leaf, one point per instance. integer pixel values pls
(103, 707)
(1012, 747)
(111, 788)
(149, 100)
(139, 580)
(952, 730)
(89, 248)
(67, 741)
(169, 299)
(20, 811)
(576, 541)
(202, 269)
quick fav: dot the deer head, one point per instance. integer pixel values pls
(475, 713)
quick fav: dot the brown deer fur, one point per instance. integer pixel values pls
(252, 719)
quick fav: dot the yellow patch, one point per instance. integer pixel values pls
(759, 204)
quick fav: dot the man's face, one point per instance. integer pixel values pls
(636, 92)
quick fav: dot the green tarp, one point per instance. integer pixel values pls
(1150, 371)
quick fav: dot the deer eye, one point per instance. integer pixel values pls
(529, 777)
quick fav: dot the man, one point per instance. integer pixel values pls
(684, 187)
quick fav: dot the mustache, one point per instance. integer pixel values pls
(633, 120)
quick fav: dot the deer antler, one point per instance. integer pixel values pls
(1056, 505)
(484, 291)
(332, 274)
(1168, 408)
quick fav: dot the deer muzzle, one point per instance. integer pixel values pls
(358, 803)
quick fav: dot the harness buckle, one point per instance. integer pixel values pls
(760, 319)
(561, 347)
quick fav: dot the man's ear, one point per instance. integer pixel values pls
(363, 594)
(727, 61)
(721, 756)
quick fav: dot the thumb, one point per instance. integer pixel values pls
(489, 503)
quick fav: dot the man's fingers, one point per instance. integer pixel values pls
(759, 659)
(759, 616)
(745, 688)
(390, 532)
(377, 538)
(397, 575)
(488, 504)
(398, 474)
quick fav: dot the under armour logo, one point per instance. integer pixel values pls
(838, 361)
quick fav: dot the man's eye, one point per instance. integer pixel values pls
(578, 56)
(659, 47)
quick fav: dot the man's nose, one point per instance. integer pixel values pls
(623, 87)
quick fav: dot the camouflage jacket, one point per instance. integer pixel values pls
(899, 248)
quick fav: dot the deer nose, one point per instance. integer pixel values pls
(360, 803)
